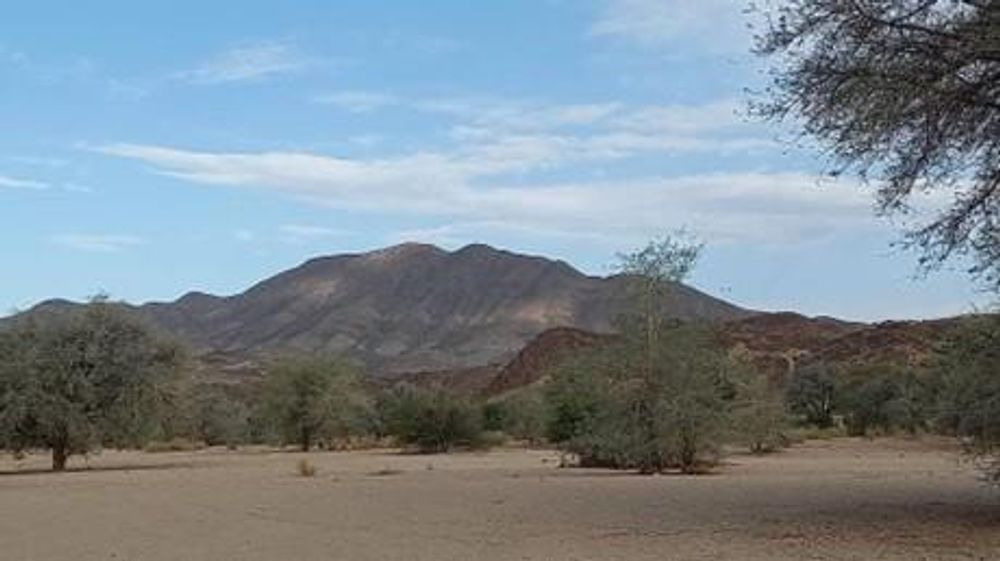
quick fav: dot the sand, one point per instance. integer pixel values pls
(832, 500)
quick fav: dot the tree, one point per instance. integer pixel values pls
(811, 394)
(759, 418)
(867, 397)
(655, 398)
(906, 92)
(433, 420)
(217, 417)
(968, 373)
(313, 399)
(76, 381)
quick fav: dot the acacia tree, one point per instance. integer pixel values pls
(312, 399)
(904, 92)
(968, 371)
(654, 398)
(75, 381)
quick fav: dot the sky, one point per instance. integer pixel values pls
(152, 148)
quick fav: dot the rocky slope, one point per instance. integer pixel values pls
(407, 308)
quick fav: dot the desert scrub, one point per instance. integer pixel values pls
(174, 445)
(305, 468)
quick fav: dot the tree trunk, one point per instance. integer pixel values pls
(59, 457)
(306, 440)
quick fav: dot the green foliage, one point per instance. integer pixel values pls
(219, 418)
(759, 419)
(608, 410)
(811, 393)
(883, 397)
(520, 415)
(657, 398)
(82, 380)
(902, 92)
(312, 400)
(968, 372)
(432, 420)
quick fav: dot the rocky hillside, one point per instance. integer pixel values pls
(408, 308)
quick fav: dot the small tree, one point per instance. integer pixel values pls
(520, 414)
(80, 380)
(313, 399)
(433, 420)
(867, 398)
(968, 371)
(656, 398)
(758, 418)
(218, 417)
(811, 393)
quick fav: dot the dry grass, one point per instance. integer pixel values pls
(305, 468)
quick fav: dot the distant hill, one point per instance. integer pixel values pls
(774, 342)
(408, 308)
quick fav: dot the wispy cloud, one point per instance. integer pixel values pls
(39, 161)
(101, 243)
(300, 233)
(464, 186)
(711, 25)
(358, 101)
(77, 188)
(248, 62)
(28, 184)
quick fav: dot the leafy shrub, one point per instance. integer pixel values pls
(968, 372)
(177, 444)
(811, 394)
(520, 415)
(312, 400)
(641, 404)
(759, 419)
(432, 420)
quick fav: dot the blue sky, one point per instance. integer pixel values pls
(147, 150)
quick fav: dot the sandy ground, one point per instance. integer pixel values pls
(845, 499)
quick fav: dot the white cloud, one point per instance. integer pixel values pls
(358, 101)
(248, 62)
(102, 243)
(77, 188)
(463, 187)
(299, 233)
(712, 25)
(28, 184)
(38, 161)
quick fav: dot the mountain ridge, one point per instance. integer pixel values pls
(408, 307)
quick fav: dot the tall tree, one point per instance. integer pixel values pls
(907, 93)
(81, 380)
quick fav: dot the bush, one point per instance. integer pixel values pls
(520, 414)
(759, 420)
(177, 444)
(432, 420)
(650, 408)
(811, 393)
(968, 370)
(312, 400)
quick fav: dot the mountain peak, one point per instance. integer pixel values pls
(403, 251)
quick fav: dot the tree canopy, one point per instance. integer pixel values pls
(906, 93)
(85, 379)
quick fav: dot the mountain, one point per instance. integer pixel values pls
(773, 342)
(410, 307)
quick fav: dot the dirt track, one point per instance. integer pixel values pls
(844, 499)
